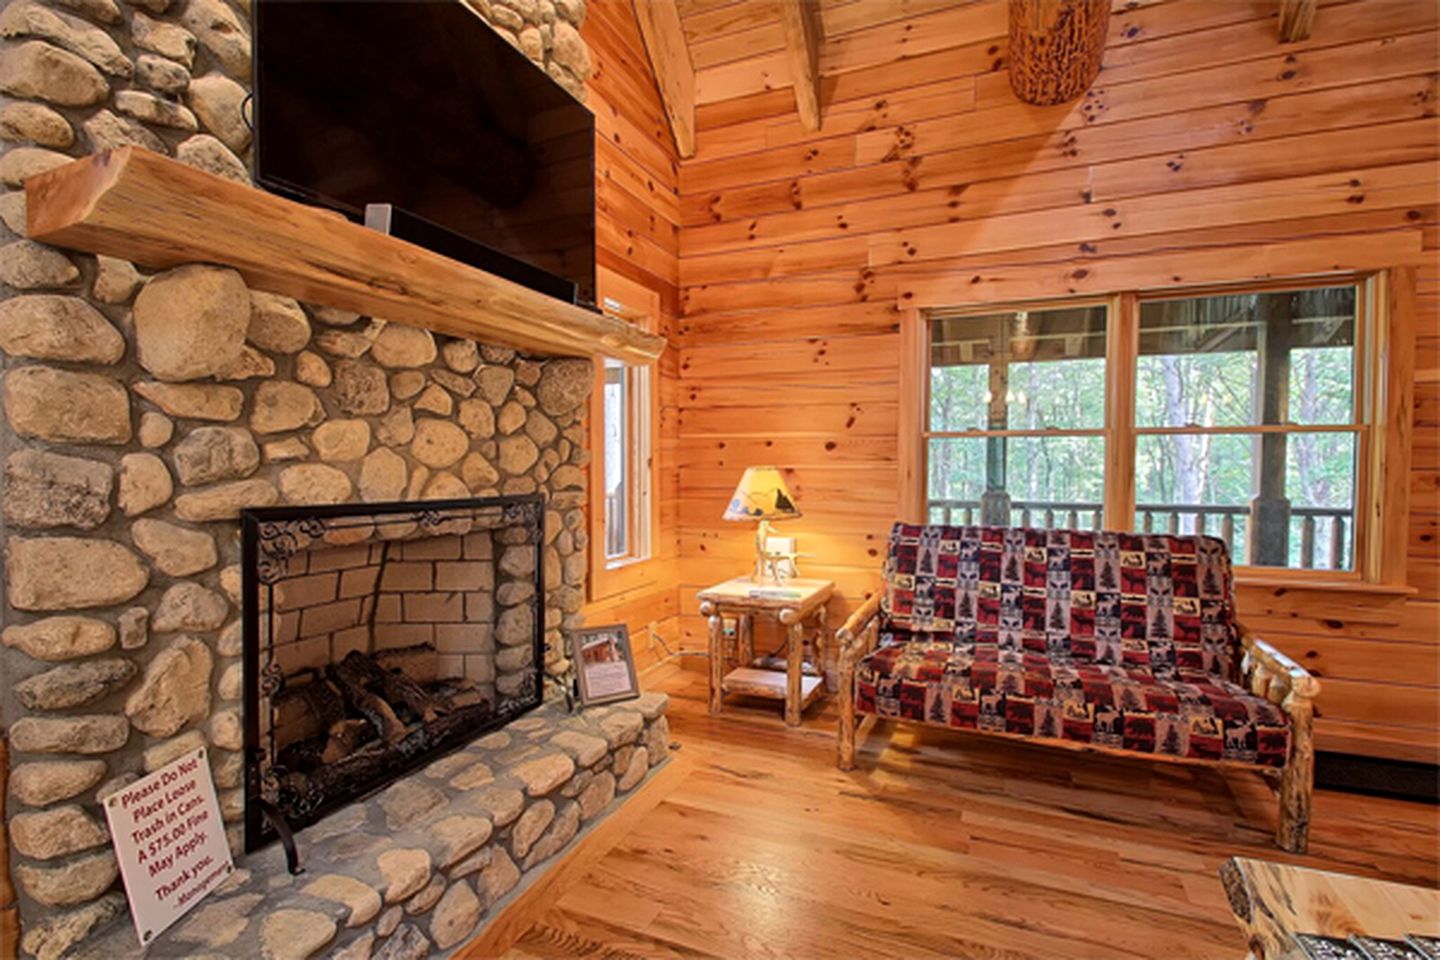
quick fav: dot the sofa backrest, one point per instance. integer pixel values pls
(1152, 601)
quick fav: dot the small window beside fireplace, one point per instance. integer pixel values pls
(378, 636)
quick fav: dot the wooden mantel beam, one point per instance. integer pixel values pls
(803, 35)
(659, 22)
(1056, 47)
(1297, 19)
(160, 213)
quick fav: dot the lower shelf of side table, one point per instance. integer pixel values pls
(753, 682)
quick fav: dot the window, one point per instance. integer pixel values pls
(624, 420)
(1017, 417)
(1241, 413)
(626, 457)
(1247, 425)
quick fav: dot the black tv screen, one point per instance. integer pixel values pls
(421, 105)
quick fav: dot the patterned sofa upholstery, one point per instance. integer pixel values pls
(1115, 641)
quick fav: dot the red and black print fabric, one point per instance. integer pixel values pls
(982, 687)
(1159, 602)
(1112, 639)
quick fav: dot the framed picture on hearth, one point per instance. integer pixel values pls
(604, 664)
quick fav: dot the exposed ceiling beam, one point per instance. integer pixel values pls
(1297, 18)
(659, 22)
(1056, 47)
(803, 33)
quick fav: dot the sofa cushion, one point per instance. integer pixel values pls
(1153, 601)
(1033, 694)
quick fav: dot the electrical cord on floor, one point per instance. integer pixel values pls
(655, 637)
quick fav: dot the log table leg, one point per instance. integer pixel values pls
(822, 640)
(799, 606)
(794, 658)
(717, 653)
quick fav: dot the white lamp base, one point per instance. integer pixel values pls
(762, 576)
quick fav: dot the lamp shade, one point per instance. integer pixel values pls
(761, 495)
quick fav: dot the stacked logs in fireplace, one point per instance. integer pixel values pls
(345, 726)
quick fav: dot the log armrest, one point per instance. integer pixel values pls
(856, 636)
(1271, 674)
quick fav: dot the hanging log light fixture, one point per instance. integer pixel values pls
(1056, 47)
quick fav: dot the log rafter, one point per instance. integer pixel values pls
(803, 35)
(1297, 19)
(669, 54)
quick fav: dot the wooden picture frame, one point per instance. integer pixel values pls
(604, 664)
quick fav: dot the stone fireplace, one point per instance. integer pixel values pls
(378, 637)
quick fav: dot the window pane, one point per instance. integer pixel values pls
(617, 444)
(1190, 483)
(1320, 477)
(1039, 481)
(958, 397)
(957, 479)
(1244, 359)
(1018, 370)
(1198, 483)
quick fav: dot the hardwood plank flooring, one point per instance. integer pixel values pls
(752, 844)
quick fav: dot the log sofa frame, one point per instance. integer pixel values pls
(1266, 672)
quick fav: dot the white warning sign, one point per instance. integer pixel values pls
(170, 841)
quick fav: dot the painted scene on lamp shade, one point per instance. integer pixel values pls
(761, 494)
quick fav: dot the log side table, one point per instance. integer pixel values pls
(1274, 901)
(792, 604)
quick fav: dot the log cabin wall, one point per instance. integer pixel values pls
(790, 336)
(637, 237)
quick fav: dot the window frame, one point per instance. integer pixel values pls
(1384, 359)
(609, 576)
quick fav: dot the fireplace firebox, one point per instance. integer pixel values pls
(378, 636)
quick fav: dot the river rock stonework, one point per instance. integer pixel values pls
(142, 410)
(417, 870)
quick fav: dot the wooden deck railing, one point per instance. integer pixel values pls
(1313, 526)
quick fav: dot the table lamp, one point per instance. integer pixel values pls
(761, 495)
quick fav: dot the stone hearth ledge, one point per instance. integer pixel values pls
(417, 869)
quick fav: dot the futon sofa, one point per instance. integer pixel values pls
(1123, 643)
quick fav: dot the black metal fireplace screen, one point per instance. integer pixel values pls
(377, 636)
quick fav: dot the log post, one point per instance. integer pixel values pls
(1297, 780)
(1056, 47)
(857, 635)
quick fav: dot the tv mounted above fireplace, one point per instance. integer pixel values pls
(423, 108)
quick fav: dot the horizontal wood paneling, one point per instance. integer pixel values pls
(958, 160)
(1204, 143)
(637, 235)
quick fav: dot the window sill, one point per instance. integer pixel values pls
(615, 580)
(624, 562)
(1282, 582)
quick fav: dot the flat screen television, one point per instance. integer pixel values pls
(422, 106)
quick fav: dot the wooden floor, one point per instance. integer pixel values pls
(752, 844)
